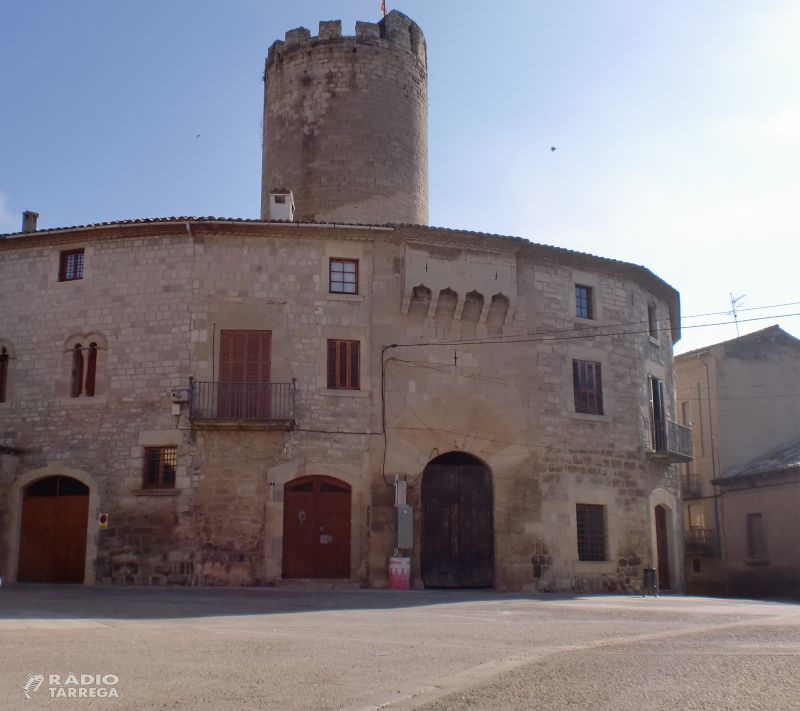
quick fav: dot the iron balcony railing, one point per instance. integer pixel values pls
(699, 540)
(241, 401)
(691, 487)
(670, 441)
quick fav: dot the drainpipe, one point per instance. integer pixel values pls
(714, 473)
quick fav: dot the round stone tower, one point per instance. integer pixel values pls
(346, 123)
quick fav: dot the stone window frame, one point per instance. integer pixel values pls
(339, 349)
(652, 322)
(85, 365)
(56, 267)
(159, 467)
(584, 302)
(6, 371)
(344, 251)
(71, 264)
(136, 463)
(591, 281)
(587, 400)
(343, 282)
(345, 333)
(591, 528)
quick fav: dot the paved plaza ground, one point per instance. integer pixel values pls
(201, 648)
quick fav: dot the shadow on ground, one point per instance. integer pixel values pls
(42, 602)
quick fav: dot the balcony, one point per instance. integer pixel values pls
(256, 406)
(671, 442)
(691, 487)
(700, 541)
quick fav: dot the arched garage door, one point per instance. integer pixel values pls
(457, 523)
(316, 528)
(52, 547)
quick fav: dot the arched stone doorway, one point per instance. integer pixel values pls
(316, 528)
(457, 523)
(662, 547)
(52, 545)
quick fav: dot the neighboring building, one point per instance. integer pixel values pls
(742, 491)
(247, 401)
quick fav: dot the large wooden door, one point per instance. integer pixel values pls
(244, 374)
(457, 523)
(52, 547)
(316, 528)
(662, 548)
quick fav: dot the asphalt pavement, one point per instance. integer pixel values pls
(80, 647)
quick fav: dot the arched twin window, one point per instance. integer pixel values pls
(85, 360)
(84, 369)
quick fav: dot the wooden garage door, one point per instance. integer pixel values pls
(316, 528)
(52, 546)
(457, 523)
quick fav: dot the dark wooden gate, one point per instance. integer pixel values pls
(662, 548)
(457, 523)
(244, 374)
(52, 546)
(316, 528)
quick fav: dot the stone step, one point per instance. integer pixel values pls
(318, 584)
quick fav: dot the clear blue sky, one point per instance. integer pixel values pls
(677, 125)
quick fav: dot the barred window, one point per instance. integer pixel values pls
(70, 265)
(159, 467)
(588, 387)
(343, 365)
(591, 519)
(583, 301)
(343, 276)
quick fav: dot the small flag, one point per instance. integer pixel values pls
(383, 7)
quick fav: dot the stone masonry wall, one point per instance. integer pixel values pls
(345, 123)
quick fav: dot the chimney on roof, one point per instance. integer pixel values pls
(281, 205)
(29, 221)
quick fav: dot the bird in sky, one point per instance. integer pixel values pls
(552, 148)
(198, 136)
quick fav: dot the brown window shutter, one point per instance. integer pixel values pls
(332, 349)
(91, 369)
(77, 371)
(355, 365)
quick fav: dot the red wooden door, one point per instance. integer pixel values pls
(244, 374)
(662, 548)
(316, 528)
(457, 523)
(52, 546)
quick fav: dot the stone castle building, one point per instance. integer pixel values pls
(208, 401)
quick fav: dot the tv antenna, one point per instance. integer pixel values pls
(734, 303)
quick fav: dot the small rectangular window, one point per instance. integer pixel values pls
(70, 265)
(756, 540)
(343, 365)
(652, 321)
(697, 566)
(591, 519)
(343, 276)
(159, 467)
(588, 387)
(583, 301)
